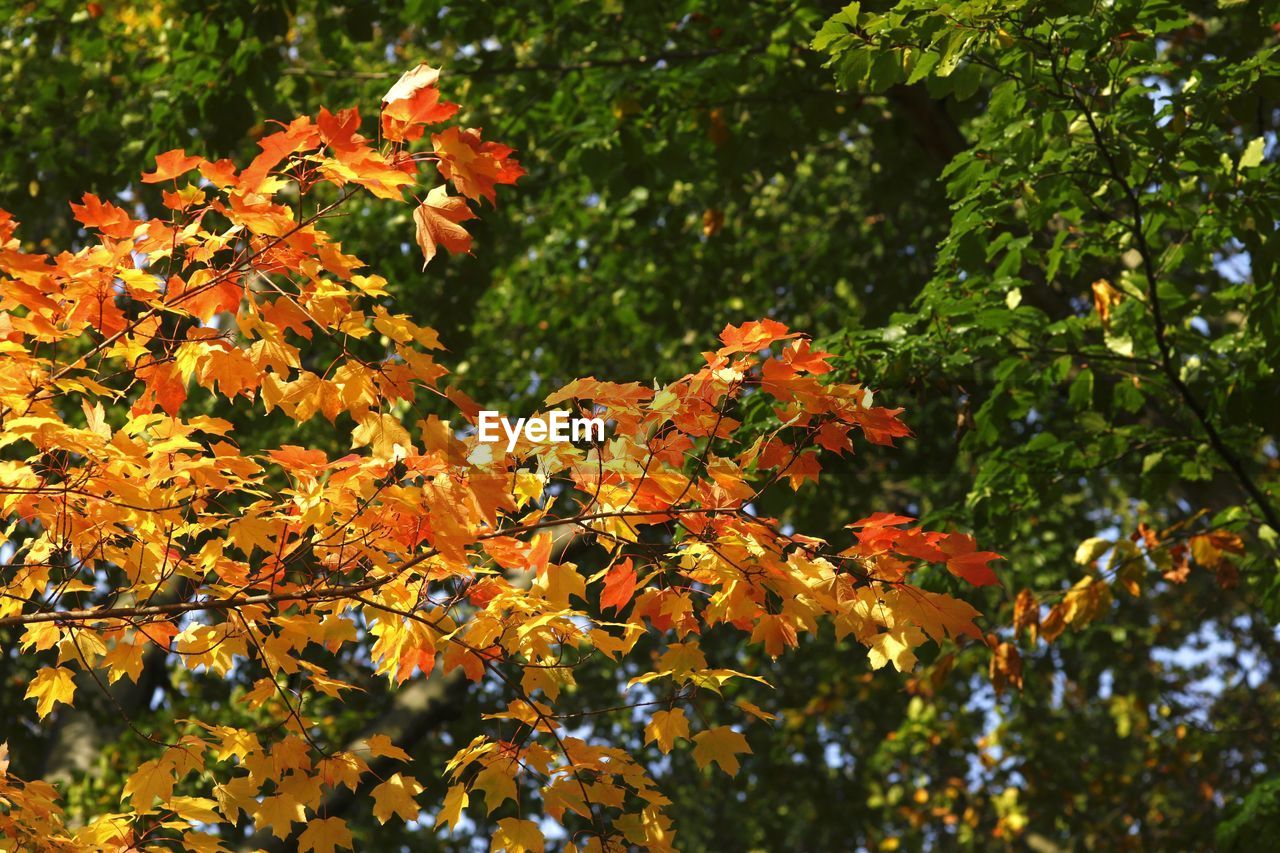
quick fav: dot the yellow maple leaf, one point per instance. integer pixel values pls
(325, 835)
(202, 842)
(153, 780)
(455, 800)
(195, 809)
(342, 768)
(1105, 297)
(382, 432)
(776, 632)
(300, 787)
(41, 635)
(236, 796)
(938, 615)
(396, 796)
(279, 814)
(381, 746)
(560, 582)
(665, 727)
(895, 645)
(51, 686)
(756, 711)
(123, 659)
(528, 486)
(497, 784)
(517, 836)
(721, 746)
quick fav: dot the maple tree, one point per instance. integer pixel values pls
(935, 210)
(139, 525)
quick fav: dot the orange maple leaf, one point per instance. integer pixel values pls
(965, 561)
(340, 132)
(619, 586)
(437, 221)
(170, 165)
(476, 167)
(164, 387)
(414, 101)
(299, 134)
(753, 336)
(104, 216)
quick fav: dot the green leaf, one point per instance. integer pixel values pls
(1081, 394)
(1252, 155)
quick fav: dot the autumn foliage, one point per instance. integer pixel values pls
(137, 523)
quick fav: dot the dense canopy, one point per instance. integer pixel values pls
(1031, 245)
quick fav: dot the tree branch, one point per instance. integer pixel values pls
(1167, 363)
(643, 60)
(331, 592)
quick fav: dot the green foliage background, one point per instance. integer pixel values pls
(929, 188)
